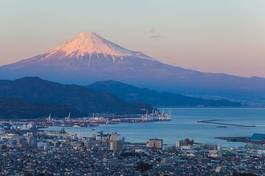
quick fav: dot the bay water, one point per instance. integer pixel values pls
(184, 124)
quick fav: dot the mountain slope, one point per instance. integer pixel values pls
(16, 109)
(88, 58)
(82, 101)
(152, 97)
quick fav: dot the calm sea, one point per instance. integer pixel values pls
(184, 125)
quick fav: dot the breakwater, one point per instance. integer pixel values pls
(216, 122)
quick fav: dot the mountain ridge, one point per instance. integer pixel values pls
(34, 92)
(155, 98)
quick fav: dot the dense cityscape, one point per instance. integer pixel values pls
(34, 151)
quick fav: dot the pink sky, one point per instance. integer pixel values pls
(212, 36)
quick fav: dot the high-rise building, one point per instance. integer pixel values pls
(184, 144)
(156, 144)
(115, 142)
(100, 136)
(213, 151)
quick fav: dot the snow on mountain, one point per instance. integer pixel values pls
(91, 44)
(88, 58)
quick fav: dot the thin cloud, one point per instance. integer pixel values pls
(156, 36)
(153, 34)
(150, 31)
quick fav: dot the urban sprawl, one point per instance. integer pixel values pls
(26, 148)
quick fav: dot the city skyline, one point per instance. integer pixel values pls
(219, 36)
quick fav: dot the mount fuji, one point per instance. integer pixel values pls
(88, 58)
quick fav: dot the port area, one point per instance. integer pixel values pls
(92, 121)
(113, 119)
(223, 124)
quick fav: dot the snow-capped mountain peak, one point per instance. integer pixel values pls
(89, 43)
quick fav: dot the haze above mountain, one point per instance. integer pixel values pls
(88, 58)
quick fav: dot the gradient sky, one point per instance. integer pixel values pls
(208, 35)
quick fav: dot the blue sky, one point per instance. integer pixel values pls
(208, 35)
